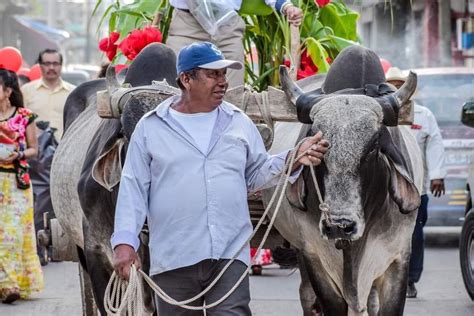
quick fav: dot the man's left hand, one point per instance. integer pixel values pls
(314, 149)
(437, 187)
(293, 14)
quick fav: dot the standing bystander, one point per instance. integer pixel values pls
(427, 133)
(20, 270)
(201, 146)
(47, 95)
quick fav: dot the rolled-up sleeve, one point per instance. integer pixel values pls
(435, 157)
(277, 4)
(132, 202)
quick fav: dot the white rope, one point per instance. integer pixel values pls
(121, 293)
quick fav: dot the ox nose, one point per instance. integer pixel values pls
(340, 228)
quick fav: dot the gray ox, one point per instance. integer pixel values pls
(87, 164)
(355, 257)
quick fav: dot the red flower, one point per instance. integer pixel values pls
(307, 67)
(108, 46)
(139, 39)
(26, 178)
(322, 3)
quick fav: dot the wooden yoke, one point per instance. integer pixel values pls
(294, 51)
(247, 101)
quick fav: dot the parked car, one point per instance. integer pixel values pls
(466, 242)
(444, 91)
(75, 77)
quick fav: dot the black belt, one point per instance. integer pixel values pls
(184, 10)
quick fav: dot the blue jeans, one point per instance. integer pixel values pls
(418, 242)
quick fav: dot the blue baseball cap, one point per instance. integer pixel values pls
(203, 55)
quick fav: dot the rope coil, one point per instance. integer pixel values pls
(121, 294)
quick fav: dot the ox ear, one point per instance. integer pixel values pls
(296, 193)
(108, 167)
(401, 187)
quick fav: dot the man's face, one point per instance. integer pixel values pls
(209, 85)
(51, 66)
(397, 83)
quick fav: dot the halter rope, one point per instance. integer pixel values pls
(121, 294)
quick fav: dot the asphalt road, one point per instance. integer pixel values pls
(275, 293)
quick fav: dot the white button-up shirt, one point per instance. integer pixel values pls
(427, 133)
(195, 201)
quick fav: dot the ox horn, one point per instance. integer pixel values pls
(292, 91)
(397, 102)
(405, 92)
(111, 79)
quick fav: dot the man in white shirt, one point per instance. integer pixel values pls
(427, 133)
(185, 29)
(189, 165)
(47, 95)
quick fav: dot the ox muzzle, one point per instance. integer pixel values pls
(339, 229)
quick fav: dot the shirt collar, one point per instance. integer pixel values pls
(163, 109)
(62, 85)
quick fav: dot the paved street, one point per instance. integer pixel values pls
(275, 293)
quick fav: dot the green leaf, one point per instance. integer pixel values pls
(96, 7)
(318, 54)
(340, 19)
(341, 43)
(104, 16)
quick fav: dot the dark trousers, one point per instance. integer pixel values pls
(184, 283)
(418, 242)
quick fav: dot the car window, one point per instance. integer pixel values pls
(444, 95)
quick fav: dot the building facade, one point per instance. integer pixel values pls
(418, 33)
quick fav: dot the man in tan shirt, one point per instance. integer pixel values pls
(47, 95)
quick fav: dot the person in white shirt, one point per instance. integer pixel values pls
(427, 133)
(185, 29)
(189, 166)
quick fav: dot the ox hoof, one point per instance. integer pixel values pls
(411, 290)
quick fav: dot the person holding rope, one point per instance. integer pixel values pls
(189, 165)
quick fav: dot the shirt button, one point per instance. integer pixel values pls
(208, 181)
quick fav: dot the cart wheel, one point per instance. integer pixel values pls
(466, 253)
(256, 269)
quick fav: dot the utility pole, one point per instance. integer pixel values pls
(431, 31)
(444, 24)
(51, 13)
(87, 52)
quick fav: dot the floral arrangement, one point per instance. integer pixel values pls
(328, 26)
(132, 44)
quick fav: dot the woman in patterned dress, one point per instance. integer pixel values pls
(20, 270)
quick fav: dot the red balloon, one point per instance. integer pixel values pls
(35, 72)
(23, 72)
(10, 58)
(385, 64)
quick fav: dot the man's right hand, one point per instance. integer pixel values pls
(124, 257)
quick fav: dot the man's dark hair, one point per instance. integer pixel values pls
(49, 51)
(191, 73)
